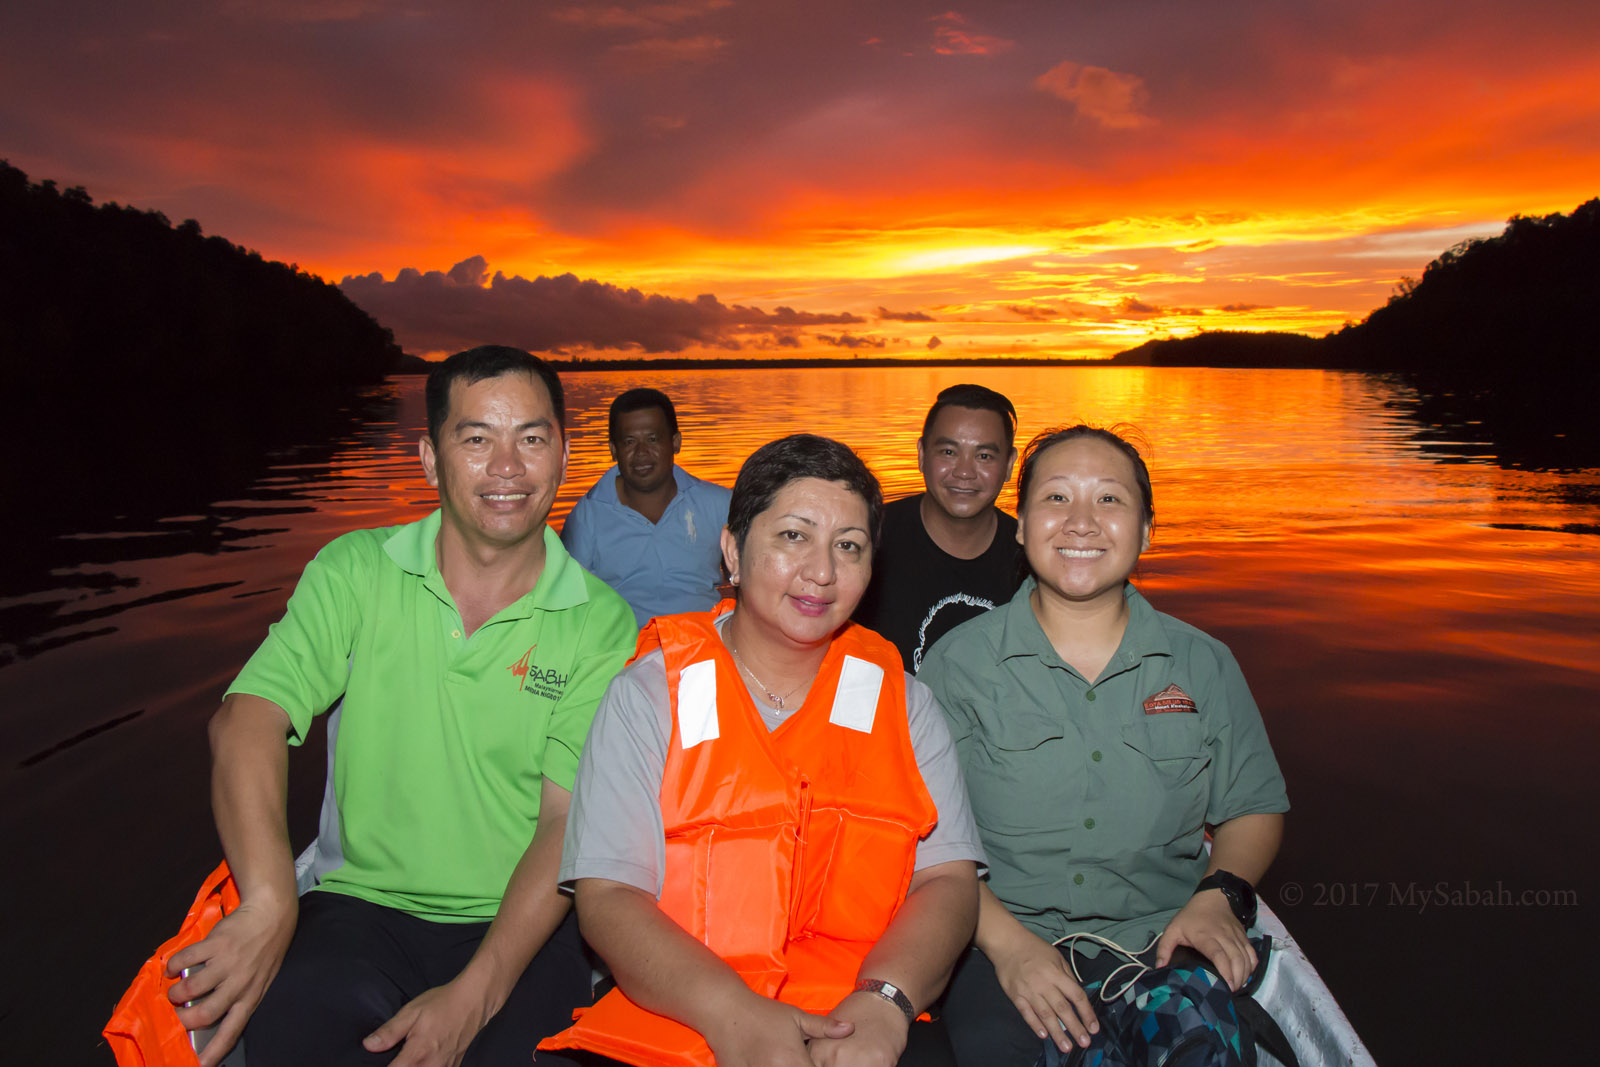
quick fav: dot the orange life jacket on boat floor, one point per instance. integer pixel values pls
(144, 1030)
(788, 852)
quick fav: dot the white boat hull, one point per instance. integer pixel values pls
(1294, 994)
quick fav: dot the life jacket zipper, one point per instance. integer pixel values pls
(801, 833)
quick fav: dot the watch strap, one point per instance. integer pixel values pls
(890, 992)
(1240, 894)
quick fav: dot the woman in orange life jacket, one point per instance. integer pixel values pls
(769, 843)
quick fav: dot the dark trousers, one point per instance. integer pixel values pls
(353, 964)
(985, 1028)
(926, 1046)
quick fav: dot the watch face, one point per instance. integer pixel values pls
(1242, 895)
(889, 992)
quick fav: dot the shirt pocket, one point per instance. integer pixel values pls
(1171, 749)
(1173, 743)
(1019, 730)
(1019, 777)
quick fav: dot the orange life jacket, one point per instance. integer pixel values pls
(144, 1030)
(788, 852)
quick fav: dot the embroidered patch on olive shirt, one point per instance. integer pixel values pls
(1170, 699)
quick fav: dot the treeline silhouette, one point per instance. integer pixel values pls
(1498, 337)
(124, 296)
(1500, 340)
(1228, 348)
(1518, 305)
(158, 351)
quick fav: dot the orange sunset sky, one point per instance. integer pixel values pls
(1007, 178)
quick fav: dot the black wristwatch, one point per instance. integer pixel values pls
(890, 992)
(1240, 893)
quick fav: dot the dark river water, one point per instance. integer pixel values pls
(1417, 615)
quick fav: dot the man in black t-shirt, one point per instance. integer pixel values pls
(948, 554)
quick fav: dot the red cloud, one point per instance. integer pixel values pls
(1113, 100)
(649, 17)
(655, 52)
(953, 38)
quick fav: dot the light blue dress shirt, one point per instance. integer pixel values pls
(660, 568)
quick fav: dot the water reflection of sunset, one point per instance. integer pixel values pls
(1295, 496)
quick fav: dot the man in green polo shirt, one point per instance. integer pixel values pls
(463, 657)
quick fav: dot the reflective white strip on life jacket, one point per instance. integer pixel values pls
(697, 704)
(855, 703)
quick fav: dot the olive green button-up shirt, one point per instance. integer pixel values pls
(1092, 800)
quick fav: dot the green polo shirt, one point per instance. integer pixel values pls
(440, 741)
(1092, 809)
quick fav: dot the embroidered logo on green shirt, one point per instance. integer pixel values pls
(539, 681)
(519, 669)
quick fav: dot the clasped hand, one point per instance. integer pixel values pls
(762, 1032)
(877, 1040)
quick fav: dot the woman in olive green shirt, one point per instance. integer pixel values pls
(1100, 739)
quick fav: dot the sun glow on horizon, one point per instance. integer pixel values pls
(941, 259)
(1086, 292)
(962, 194)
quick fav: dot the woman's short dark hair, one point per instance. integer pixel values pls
(802, 455)
(488, 361)
(1116, 436)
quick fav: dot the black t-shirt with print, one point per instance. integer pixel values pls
(920, 592)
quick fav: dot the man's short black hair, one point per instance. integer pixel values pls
(488, 361)
(788, 459)
(979, 398)
(639, 400)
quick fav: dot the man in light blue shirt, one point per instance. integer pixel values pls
(648, 528)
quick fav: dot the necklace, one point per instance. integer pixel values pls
(772, 698)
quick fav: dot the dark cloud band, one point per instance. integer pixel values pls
(449, 310)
